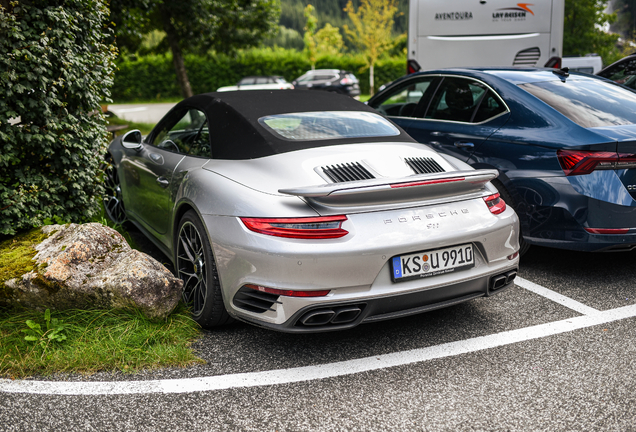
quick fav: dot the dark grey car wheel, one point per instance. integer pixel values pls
(112, 198)
(196, 267)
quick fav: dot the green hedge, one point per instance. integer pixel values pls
(56, 65)
(153, 76)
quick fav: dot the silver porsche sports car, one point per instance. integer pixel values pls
(309, 213)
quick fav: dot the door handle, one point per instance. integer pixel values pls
(436, 134)
(163, 182)
(464, 145)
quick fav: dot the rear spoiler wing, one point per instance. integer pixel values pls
(387, 191)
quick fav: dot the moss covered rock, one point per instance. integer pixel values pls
(85, 266)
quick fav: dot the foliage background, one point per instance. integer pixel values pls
(55, 67)
(194, 27)
(582, 30)
(152, 76)
(332, 12)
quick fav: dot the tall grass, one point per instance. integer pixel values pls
(96, 340)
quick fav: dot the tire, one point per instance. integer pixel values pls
(505, 195)
(196, 267)
(113, 198)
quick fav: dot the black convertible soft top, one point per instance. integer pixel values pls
(235, 130)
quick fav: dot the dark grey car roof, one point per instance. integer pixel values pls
(237, 134)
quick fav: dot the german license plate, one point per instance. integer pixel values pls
(432, 263)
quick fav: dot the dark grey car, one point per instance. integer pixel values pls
(333, 80)
(622, 71)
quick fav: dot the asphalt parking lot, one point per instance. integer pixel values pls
(556, 352)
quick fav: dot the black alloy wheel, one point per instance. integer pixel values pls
(112, 198)
(196, 267)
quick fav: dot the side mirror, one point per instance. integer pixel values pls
(132, 140)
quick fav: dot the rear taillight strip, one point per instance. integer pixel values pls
(288, 293)
(427, 182)
(582, 162)
(324, 227)
(607, 230)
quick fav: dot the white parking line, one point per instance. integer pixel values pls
(330, 370)
(555, 297)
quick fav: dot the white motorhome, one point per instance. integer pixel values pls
(445, 33)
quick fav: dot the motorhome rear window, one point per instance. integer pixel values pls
(327, 125)
(588, 103)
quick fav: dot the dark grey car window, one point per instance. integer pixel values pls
(623, 73)
(188, 133)
(588, 103)
(403, 100)
(456, 100)
(490, 106)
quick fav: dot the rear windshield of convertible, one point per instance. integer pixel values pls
(588, 103)
(327, 125)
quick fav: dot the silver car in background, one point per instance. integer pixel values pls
(309, 214)
(259, 83)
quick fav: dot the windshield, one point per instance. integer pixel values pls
(311, 126)
(588, 103)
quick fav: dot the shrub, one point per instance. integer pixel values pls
(56, 65)
(152, 77)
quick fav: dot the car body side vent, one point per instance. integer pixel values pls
(422, 165)
(347, 172)
(527, 57)
(254, 301)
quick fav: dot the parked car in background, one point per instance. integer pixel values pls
(589, 63)
(332, 80)
(309, 214)
(564, 145)
(259, 83)
(622, 71)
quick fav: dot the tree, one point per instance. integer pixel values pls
(56, 66)
(195, 26)
(332, 11)
(286, 38)
(308, 37)
(582, 29)
(625, 17)
(371, 33)
(329, 40)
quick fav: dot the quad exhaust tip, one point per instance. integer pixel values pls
(329, 316)
(500, 281)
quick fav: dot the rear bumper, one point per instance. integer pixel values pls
(356, 269)
(554, 212)
(340, 316)
(580, 240)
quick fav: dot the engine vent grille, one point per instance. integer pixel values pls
(254, 301)
(527, 57)
(347, 172)
(423, 165)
